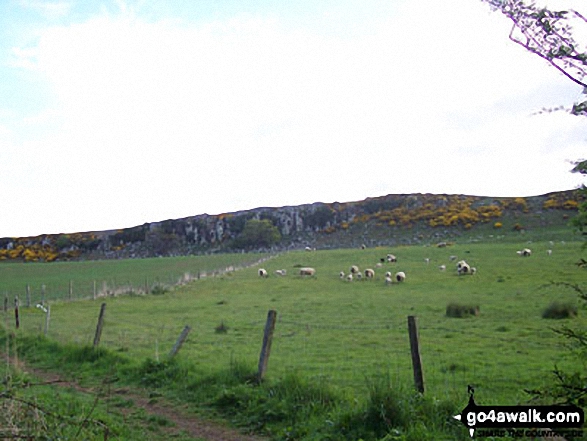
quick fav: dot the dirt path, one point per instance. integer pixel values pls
(183, 421)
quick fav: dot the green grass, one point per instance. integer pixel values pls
(342, 337)
(34, 409)
(127, 275)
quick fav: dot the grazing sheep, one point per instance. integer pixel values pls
(452, 258)
(427, 260)
(388, 281)
(341, 274)
(281, 272)
(307, 271)
(359, 276)
(473, 270)
(263, 272)
(378, 265)
(525, 252)
(363, 247)
(369, 273)
(463, 268)
(308, 249)
(442, 267)
(388, 274)
(400, 277)
(349, 278)
(354, 269)
(391, 258)
(549, 252)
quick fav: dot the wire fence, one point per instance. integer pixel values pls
(349, 356)
(100, 287)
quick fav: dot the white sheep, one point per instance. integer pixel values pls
(400, 276)
(549, 252)
(391, 258)
(349, 278)
(341, 274)
(427, 260)
(388, 274)
(354, 269)
(359, 276)
(463, 268)
(369, 273)
(378, 265)
(388, 280)
(307, 271)
(473, 270)
(442, 267)
(263, 272)
(281, 272)
(525, 252)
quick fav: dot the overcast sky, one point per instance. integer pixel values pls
(116, 113)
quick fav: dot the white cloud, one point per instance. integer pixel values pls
(165, 119)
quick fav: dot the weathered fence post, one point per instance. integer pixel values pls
(47, 318)
(94, 292)
(415, 350)
(179, 342)
(28, 296)
(43, 289)
(70, 289)
(99, 326)
(5, 302)
(266, 348)
(16, 319)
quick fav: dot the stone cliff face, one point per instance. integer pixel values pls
(382, 220)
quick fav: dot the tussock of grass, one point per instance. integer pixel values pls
(557, 310)
(459, 310)
(221, 328)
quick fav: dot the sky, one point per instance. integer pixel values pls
(118, 113)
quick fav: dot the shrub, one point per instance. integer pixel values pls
(557, 310)
(458, 310)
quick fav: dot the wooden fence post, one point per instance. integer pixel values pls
(5, 302)
(94, 292)
(16, 318)
(28, 296)
(99, 326)
(47, 317)
(266, 348)
(70, 289)
(43, 288)
(179, 342)
(415, 350)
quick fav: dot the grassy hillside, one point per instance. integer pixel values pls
(405, 219)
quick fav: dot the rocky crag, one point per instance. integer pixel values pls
(387, 220)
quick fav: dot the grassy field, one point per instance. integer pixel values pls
(110, 275)
(338, 332)
(346, 335)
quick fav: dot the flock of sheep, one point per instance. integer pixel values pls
(462, 268)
